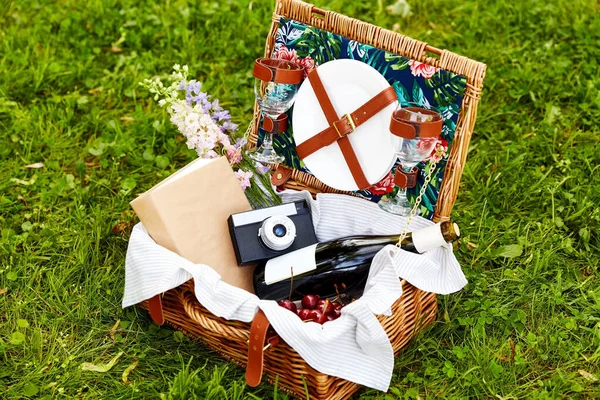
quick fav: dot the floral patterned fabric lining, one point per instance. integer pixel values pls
(413, 81)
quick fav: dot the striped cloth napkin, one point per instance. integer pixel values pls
(354, 347)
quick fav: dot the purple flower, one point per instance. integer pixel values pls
(194, 87)
(221, 115)
(200, 97)
(216, 106)
(206, 106)
(262, 168)
(229, 126)
(240, 142)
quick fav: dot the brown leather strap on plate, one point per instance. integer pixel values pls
(407, 129)
(340, 128)
(281, 175)
(258, 334)
(278, 71)
(278, 125)
(405, 180)
(156, 310)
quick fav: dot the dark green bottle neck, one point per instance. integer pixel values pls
(366, 241)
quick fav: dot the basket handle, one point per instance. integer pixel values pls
(318, 12)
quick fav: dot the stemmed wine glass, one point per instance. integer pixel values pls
(418, 130)
(276, 83)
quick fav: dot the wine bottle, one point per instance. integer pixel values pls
(338, 266)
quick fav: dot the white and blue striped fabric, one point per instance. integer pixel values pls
(353, 347)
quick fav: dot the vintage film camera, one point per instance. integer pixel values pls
(262, 234)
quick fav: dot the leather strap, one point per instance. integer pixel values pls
(405, 180)
(281, 175)
(403, 127)
(278, 71)
(156, 310)
(258, 334)
(278, 125)
(340, 128)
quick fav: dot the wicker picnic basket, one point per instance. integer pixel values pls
(415, 309)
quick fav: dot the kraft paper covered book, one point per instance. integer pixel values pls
(187, 213)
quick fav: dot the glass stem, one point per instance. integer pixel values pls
(401, 195)
(268, 140)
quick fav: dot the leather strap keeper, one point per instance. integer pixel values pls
(156, 310)
(280, 176)
(278, 71)
(256, 348)
(405, 180)
(404, 128)
(340, 128)
(278, 125)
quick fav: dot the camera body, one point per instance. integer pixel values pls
(262, 234)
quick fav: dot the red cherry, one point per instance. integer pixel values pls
(337, 313)
(337, 305)
(288, 304)
(331, 318)
(303, 314)
(327, 308)
(310, 301)
(316, 316)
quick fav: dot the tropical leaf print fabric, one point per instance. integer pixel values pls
(413, 81)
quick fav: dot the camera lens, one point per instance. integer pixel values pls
(279, 230)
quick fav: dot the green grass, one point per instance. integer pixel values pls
(528, 323)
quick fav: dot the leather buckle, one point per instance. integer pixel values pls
(350, 123)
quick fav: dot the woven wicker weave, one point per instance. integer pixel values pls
(415, 309)
(411, 313)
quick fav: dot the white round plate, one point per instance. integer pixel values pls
(349, 84)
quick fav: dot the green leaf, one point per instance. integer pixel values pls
(178, 336)
(22, 323)
(97, 149)
(509, 251)
(417, 94)
(162, 162)
(148, 154)
(446, 86)
(101, 367)
(11, 276)
(559, 222)
(30, 390)
(128, 184)
(496, 369)
(448, 369)
(400, 62)
(26, 226)
(321, 45)
(70, 180)
(584, 234)
(17, 338)
(577, 387)
(552, 113)
(400, 8)
(402, 93)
